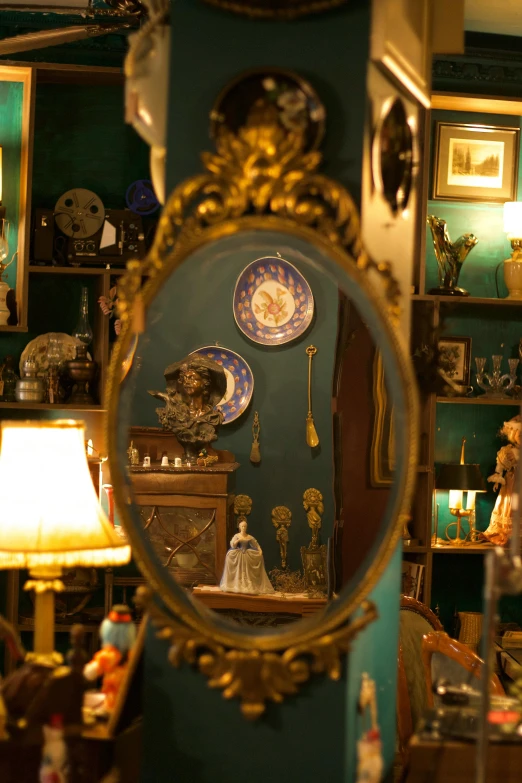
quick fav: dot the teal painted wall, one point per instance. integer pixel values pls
(484, 220)
(11, 98)
(194, 309)
(190, 731)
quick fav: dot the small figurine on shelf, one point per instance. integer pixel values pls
(53, 768)
(133, 454)
(77, 657)
(505, 475)
(244, 570)
(118, 634)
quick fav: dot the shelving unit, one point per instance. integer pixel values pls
(495, 326)
(64, 145)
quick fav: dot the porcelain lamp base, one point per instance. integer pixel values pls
(513, 278)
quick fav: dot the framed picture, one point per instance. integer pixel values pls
(455, 359)
(475, 162)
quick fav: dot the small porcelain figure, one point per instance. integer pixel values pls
(118, 634)
(53, 768)
(244, 570)
(505, 475)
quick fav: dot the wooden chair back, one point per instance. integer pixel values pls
(440, 642)
(405, 719)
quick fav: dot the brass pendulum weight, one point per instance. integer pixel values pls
(312, 439)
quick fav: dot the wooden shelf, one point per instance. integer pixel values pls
(461, 550)
(14, 328)
(414, 549)
(467, 300)
(47, 406)
(479, 401)
(34, 269)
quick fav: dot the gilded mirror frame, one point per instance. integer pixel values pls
(291, 198)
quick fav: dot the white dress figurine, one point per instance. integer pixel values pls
(506, 476)
(244, 570)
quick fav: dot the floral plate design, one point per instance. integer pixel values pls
(240, 380)
(273, 303)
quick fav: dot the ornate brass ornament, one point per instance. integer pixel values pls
(242, 508)
(253, 675)
(263, 170)
(281, 520)
(313, 505)
(261, 180)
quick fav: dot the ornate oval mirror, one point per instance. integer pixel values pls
(263, 438)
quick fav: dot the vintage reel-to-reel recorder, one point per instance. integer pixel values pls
(80, 231)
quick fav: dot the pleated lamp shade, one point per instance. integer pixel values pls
(49, 510)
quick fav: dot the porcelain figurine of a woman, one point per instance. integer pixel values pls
(244, 570)
(505, 477)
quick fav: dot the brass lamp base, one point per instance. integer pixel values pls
(45, 582)
(459, 513)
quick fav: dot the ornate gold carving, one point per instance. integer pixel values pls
(281, 520)
(263, 169)
(255, 676)
(313, 505)
(242, 508)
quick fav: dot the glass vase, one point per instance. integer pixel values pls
(83, 331)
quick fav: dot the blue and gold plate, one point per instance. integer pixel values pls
(240, 380)
(273, 303)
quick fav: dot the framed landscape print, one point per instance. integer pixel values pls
(475, 162)
(455, 359)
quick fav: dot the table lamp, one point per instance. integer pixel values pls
(460, 478)
(50, 516)
(513, 265)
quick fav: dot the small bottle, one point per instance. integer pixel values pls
(146, 461)
(177, 462)
(164, 460)
(9, 379)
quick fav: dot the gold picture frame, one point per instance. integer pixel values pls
(475, 162)
(382, 453)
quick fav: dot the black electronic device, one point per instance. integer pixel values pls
(81, 232)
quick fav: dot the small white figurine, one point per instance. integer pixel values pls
(370, 762)
(244, 570)
(505, 475)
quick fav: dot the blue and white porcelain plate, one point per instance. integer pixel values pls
(273, 303)
(240, 380)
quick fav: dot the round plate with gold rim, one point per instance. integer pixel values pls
(273, 303)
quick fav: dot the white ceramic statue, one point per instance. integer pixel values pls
(244, 570)
(505, 476)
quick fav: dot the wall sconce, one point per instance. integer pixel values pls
(513, 265)
(459, 479)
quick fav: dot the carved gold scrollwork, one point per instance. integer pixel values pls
(255, 676)
(261, 170)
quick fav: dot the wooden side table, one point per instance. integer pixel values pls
(454, 762)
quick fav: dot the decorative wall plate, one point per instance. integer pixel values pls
(37, 349)
(273, 303)
(288, 98)
(240, 380)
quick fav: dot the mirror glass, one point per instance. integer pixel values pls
(290, 503)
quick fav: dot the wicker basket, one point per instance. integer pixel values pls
(470, 629)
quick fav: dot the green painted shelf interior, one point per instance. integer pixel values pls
(457, 582)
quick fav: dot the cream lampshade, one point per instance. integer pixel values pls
(513, 265)
(50, 516)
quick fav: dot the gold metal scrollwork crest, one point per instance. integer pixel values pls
(262, 170)
(256, 676)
